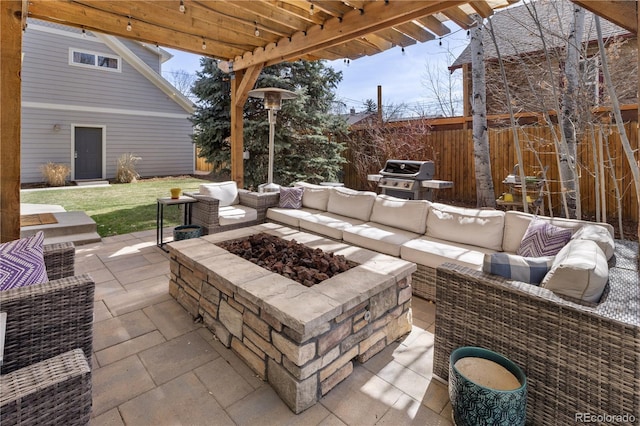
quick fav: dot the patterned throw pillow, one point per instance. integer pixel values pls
(22, 262)
(543, 239)
(526, 269)
(291, 198)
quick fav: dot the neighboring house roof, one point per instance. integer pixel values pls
(356, 117)
(517, 32)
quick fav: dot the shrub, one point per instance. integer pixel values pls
(55, 174)
(126, 171)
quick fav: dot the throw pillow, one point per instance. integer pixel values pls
(22, 262)
(543, 239)
(526, 269)
(291, 198)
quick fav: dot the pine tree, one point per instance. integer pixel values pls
(306, 138)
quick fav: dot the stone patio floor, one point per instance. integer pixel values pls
(152, 365)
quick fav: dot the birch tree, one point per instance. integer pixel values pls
(570, 113)
(485, 194)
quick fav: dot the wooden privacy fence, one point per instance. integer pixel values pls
(599, 152)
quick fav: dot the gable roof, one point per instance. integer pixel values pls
(517, 32)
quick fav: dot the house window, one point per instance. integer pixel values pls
(591, 79)
(83, 58)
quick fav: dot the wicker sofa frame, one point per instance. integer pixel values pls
(205, 212)
(577, 358)
(46, 370)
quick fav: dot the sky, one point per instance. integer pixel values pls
(400, 74)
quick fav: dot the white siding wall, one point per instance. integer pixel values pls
(138, 116)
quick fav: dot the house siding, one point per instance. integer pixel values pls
(138, 116)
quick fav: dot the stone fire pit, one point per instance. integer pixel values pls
(302, 340)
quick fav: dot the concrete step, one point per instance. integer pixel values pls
(74, 226)
(77, 239)
(92, 182)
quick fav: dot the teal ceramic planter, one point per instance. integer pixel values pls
(475, 404)
(186, 232)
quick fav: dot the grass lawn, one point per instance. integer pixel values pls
(121, 208)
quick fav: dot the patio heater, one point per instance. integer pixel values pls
(272, 102)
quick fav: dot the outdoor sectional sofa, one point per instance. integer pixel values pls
(579, 347)
(580, 356)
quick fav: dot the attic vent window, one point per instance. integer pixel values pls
(87, 59)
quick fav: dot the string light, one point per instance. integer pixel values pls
(440, 41)
(182, 9)
(347, 62)
(311, 11)
(84, 33)
(257, 31)
(403, 52)
(129, 24)
(204, 45)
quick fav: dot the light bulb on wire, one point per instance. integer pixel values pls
(129, 25)
(311, 11)
(204, 45)
(257, 31)
(181, 8)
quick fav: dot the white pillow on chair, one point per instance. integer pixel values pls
(226, 192)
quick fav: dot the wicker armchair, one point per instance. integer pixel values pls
(577, 358)
(45, 375)
(206, 212)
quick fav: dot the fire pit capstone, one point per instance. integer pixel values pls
(302, 340)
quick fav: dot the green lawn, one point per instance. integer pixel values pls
(120, 208)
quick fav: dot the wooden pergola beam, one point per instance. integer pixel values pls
(241, 82)
(372, 17)
(10, 89)
(620, 12)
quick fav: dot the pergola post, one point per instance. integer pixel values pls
(10, 93)
(241, 82)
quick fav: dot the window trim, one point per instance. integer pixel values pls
(96, 55)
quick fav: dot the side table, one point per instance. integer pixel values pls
(168, 201)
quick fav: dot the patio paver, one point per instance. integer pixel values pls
(153, 365)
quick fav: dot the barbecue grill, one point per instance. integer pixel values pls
(410, 180)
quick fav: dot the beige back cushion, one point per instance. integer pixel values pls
(226, 192)
(410, 215)
(351, 203)
(477, 227)
(516, 224)
(314, 196)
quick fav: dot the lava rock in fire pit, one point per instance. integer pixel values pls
(291, 259)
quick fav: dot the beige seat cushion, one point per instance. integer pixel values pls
(350, 203)
(238, 213)
(377, 237)
(226, 192)
(433, 252)
(409, 215)
(289, 217)
(579, 270)
(598, 234)
(477, 227)
(328, 224)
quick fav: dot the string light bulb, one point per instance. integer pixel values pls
(84, 33)
(440, 41)
(129, 24)
(257, 31)
(403, 52)
(311, 11)
(347, 62)
(204, 45)
(181, 8)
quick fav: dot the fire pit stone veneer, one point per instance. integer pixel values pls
(302, 340)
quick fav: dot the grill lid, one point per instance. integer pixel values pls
(420, 170)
